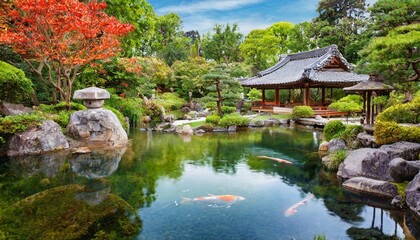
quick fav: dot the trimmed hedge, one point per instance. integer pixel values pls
(391, 132)
(228, 109)
(213, 119)
(14, 86)
(402, 113)
(234, 120)
(302, 112)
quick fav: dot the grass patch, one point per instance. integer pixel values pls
(337, 158)
(195, 124)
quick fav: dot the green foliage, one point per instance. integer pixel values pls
(223, 45)
(208, 127)
(302, 112)
(14, 86)
(133, 108)
(170, 101)
(233, 119)
(255, 94)
(227, 109)
(349, 103)
(402, 113)
(178, 50)
(391, 132)
(392, 55)
(333, 129)
(58, 112)
(213, 119)
(350, 133)
(11, 125)
(320, 237)
(156, 72)
(211, 105)
(336, 158)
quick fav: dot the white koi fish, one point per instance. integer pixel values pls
(293, 209)
(276, 159)
(223, 199)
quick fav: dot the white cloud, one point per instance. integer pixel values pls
(207, 5)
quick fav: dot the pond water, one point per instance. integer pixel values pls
(214, 186)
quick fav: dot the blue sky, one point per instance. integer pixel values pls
(202, 15)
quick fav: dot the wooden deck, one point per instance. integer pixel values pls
(318, 110)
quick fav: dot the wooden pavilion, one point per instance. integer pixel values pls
(323, 68)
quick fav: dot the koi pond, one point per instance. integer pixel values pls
(167, 186)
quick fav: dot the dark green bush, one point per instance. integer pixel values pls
(228, 109)
(233, 119)
(170, 101)
(302, 112)
(214, 119)
(333, 129)
(391, 132)
(133, 108)
(402, 113)
(211, 105)
(14, 86)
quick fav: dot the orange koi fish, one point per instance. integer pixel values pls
(276, 159)
(293, 209)
(226, 199)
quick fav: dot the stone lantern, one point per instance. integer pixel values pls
(92, 97)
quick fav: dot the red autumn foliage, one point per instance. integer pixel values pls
(63, 35)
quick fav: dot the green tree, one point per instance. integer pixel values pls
(262, 48)
(395, 56)
(167, 30)
(300, 38)
(140, 14)
(340, 22)
(223, 45)
(178, 49)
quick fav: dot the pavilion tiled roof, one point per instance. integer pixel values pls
(307, 66)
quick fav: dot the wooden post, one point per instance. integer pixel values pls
(277, 97)
(306, 95)
(323, 96)
(263, 97)
(364, 106)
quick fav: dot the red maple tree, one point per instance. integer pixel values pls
(62, 36)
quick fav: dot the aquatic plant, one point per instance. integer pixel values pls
(336, 158)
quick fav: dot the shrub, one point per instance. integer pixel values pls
(11, 125)
(333, 129)
(58, 112)
(227, 109)
(302, 112)
(255, 94)
(211, 105)
(170, 101)
(133, 108)
(233, 120)
(214, 119)
(402, 113)
(208, 127)
(14, 86)
(336, 158)
(350, 133)
(391, 132)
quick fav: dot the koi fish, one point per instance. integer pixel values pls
(276, 159)
(293, 209)
(224, 199)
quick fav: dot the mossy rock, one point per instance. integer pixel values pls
(65, 213)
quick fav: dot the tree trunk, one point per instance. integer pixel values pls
(219, 97)
(34, 98)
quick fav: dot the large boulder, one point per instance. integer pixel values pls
(367, 140)
(336, 144)
(407, 150)
(365, 162)
(371, 186)
(47, 137)
(98, 127)
(374, 163)
(13, 109)
(402, 170)
(412, 195)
